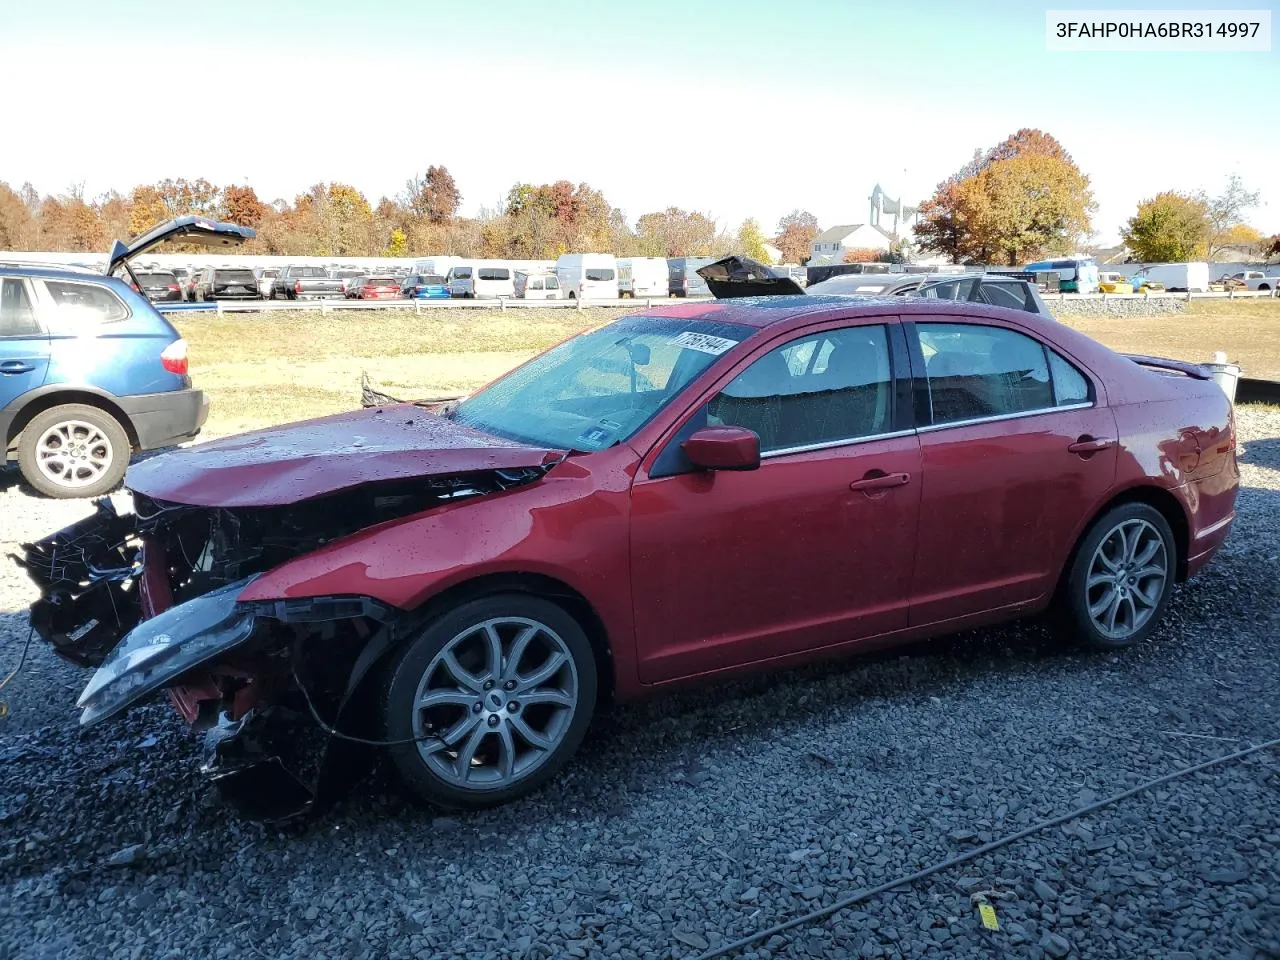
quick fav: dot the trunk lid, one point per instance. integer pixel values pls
(198, 230)
(299, 461)
(735, 277)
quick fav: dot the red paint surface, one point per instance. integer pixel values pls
(299, 461)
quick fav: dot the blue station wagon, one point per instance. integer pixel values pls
(90, 371)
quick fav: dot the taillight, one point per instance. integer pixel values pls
(297, 287)
(174, 287)
(174, 357)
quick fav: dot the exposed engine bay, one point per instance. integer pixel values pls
(135, 594)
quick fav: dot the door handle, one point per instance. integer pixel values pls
(15, 366)
(875, 480)
(1087, 444)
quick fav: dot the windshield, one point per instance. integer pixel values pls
(599, 388)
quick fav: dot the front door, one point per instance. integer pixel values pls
(24, 346)
(1016, 448)
(811, 549)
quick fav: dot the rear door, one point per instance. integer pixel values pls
(1017, 446)
(24, 346)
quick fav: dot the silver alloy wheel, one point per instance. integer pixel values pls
(74, 453)
(1127, 577)
(499, 698)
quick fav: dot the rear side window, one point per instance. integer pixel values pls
(1003, 295)
(85, 303)
(17, 319)
(975, 372)
(462, 273)
(553, 283)
(826, 388)
(599, 273)
(494, 273)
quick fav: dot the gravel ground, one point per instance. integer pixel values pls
(1116, 306)
(695, 818)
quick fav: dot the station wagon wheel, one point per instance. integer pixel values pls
(496, 694)
(1121, 579)
(73, 450)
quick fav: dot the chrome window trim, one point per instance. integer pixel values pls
(930, 428)
(832, 444)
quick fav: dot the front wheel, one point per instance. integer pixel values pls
(497, 692)
(1121, 579)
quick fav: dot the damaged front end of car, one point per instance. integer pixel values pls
(151, 599)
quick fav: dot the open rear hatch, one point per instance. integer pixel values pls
(201, 231)
(735, 277)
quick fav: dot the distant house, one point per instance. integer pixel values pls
(831, 245)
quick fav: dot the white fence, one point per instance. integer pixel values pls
(424, 306)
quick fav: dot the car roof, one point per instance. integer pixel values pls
(43, 271)
(770, 311)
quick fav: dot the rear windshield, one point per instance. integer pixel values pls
(431, 280)
(462, 273)
(347, 274)
(599, 273)
(310, 272)
(157, 278)
(234, 276)
(495, 273)
(382, 281)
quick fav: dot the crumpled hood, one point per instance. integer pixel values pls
(299, 461)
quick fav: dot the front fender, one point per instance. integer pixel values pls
(571, 526)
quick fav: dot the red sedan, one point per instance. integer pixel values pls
(687, 492)
(377, 288)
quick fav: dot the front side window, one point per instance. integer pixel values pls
(599, 388)
(976, 371)
(81, 304)
(17, 319)
(824, 388)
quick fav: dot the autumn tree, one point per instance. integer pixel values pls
(796, 232)
(676, 233)
(1170, 227)
(1226, 211)
(1021, 199)
(433, 197)
(751, 241)
(19, 226)
(241, 205)
(866, 255)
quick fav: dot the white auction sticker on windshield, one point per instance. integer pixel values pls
(703, 342)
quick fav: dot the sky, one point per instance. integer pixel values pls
(737, 109)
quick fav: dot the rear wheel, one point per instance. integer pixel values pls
(497, 692)
(1121, 579)
(73, 451)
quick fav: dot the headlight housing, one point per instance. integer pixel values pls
(158, 650)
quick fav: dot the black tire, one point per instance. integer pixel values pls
(412, 665)
(114, 440)
(1071, 616)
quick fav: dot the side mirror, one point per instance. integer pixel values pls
(723, 448)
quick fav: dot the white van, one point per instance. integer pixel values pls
(482, 279)
(1178, 277)
(537, 285)
(437, 266)
(643, 277)
(588, 276)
